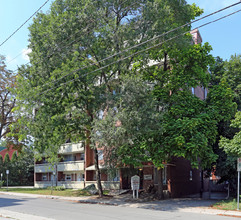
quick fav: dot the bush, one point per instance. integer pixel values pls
(57, 188)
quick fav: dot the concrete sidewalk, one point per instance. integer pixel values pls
(192, 205)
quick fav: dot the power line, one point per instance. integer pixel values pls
(55, 47)
(134, 54)
(144, 42)
(14, 58)
(137, 45)
(24, 23)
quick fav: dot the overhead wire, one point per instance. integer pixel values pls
(134, 54)
(24, 23)
(144, 42)
(54, 48)
(149, 40)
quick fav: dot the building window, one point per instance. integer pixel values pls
(114, 176)
(44, 177)
(100, 155)
(68, 177)
(82, 156)
(164, 175)
(68, 157)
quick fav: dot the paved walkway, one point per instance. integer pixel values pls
(172, 205)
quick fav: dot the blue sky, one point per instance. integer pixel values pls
(14, 13)
(224, 35)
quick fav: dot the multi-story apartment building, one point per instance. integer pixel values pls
(76, 168)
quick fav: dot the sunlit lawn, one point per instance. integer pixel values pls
(230, 204)
(65, 192)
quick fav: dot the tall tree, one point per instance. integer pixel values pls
(159, 118)
(232, 75)
(68, 80)
(7, 99)
(226, 71)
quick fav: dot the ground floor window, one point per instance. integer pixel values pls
(164, 175)
(44, 177)
(68, 177)
(114, 176)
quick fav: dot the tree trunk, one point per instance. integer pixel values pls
(96, 160)
(97, 171)
(160, 184)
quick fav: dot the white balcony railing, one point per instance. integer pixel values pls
(62, 166)
(65, 184)
(71, 148)
(71, 166)
(43, 168)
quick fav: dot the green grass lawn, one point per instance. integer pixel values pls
(230, 204)
(65, 192)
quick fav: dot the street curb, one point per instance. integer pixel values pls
(89, 200)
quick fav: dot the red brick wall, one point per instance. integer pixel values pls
(78, 156)
(89, 175)
(61, 176)
(148, 171)
(180, 183)
(89, 156)
(103, 176)
(38, 177)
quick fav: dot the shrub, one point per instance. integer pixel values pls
(56, 188)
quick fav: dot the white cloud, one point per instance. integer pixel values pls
(25, 53)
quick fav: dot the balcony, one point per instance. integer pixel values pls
(71, 148)
(70, 166)
(65, 184)
(43, 168)
(62, 166)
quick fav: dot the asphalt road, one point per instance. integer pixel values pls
(46, 209)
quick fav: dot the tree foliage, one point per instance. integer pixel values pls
(69, 78)
(21, 168)
(7, 99)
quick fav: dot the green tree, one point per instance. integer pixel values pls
(69, 44)
(232, 75)
(7, 99)
(1, 165)
(232, 146)
(217, 71)
(185, 126)
(226, 71)
(130, 119)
